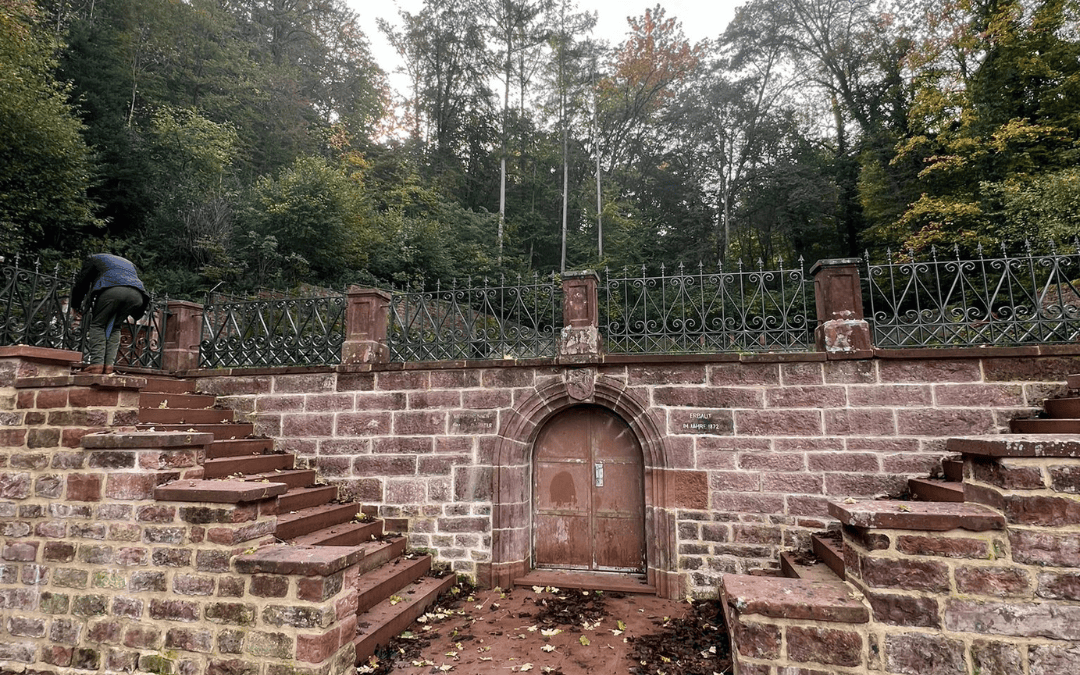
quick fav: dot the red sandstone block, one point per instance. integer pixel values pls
(745, 502)
(806, 397)
(850, 372)
(910, 370)
(441, 465)
(363, 381)
(382, 465)
(890, 395)
(235, 386)
(317, 647)
(81, 397)
(405, 491)
(1045, 369)
(793, 483)
(12, 438)
(293, 403)
(1007, 474)
(944, 421)
(304, 383)
(811, 506)
(897, 609)
(415, 423)
(454, 379)
(992, 581)
(127, 486)
(974, 395)
(824, 645)
(743, 374)
(794, 374)
(402, 380)
(860, 422)
(1014, 618)
(307, 424)
(778, 422)
(946, 547)
(772, 461)
(1042, 511)
(473, 423)
(485, 399)
(843, 461)
(689, 489)
(402, 445)
(851, 484)
(667, 373)
(709, 397)
(43, 438)
(52, 398)
(923, 653)
(423, 400)
(911, 575)
(1059, 586)
(84, 487)
(373, 401)
(735, 481)
(1065, 478)
(363, 424)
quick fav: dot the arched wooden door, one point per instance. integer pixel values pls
(588, 493)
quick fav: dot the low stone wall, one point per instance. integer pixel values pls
(745, 451)
(103, 568)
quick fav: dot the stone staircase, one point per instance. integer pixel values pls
(308, 513)
(979, 571)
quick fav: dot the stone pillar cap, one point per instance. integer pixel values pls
(833, 262)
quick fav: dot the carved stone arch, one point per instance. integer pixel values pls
(512, 476)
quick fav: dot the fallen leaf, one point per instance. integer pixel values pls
(538, 589)
(616, 633)
(550, 632)
(584, 641)
(526, 666)
(548, 648)
(620, 624)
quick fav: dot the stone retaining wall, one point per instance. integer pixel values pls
(744, 453)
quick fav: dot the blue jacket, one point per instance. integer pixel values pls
(103, 270)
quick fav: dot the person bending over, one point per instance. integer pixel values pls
(110, 288)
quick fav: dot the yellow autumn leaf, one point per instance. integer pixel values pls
(526, 666)
(548, 648)
(584, 641)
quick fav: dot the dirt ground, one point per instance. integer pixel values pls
(559, 632)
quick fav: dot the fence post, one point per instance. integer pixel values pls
(183, 331)
(842, 331)
(580, 337)
(366, 320)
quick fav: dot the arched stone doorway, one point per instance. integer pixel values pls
(512, 475)
(588, 493)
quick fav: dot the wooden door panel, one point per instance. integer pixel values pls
(562, 541)
(617, 546)
(621, 491)
(562, 486)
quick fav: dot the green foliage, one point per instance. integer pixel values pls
(45, 165)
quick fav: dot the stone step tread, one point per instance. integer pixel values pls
(907, 515)
(599, 581)
(784, 598)
(217, 491)
(306, 521)
(186, 416)
(306, 496)
(793, 568)
(1016, 445)
(176, 401)
(385, 620)
(831, 553)
(221, 432)
(380, 552)
(167, 385)
(244, 466)
(291, 477)
(388, 579)
(240, 447)
(1063, 408)
(933, 490)
(1044, 425)
(346, 534)
(1073, 381)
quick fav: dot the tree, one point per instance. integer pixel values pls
(45, 166)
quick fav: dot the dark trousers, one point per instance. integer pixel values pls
(111, 308)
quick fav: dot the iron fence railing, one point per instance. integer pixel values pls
(987, 301)
(486, 321)
(706, 312)
(272, 332)
(35, 310)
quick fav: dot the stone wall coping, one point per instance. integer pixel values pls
(653, 359)
(81, 380)
(307, 561)
(929, 516)
(786, 598)
(145, 440)
(1016, 445)
(218, 491)
(46, 354)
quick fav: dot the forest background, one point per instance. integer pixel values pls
(256, 143)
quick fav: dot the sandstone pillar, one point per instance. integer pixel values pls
(842, 331)
(367, 317)
(183, 332)
(580, 338)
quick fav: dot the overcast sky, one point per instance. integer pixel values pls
(700, 19)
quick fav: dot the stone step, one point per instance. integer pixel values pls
(932, 490)
(187, 401)
(313, 519)
(1016, 445)
(240, 447)
(1073, 381)
(598, 581)
(383, 582)
(167, 385)
(830, 552)
(305, 497)
(1044, 425)
(221, 431)
(800, 599)
(903, 515)
(953, 470)
(1062, 408)
(380, 552)
(291, 477)
(185, 416)
(347, 534)
(385, 620)
(230, 466)
(792, 567)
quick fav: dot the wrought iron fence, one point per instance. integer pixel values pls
(272, 332)
(487, 321)
(706, 312)
(999, 301)
(35, 311)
